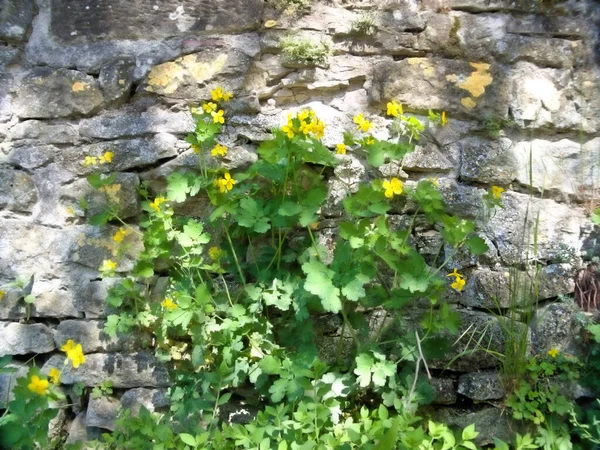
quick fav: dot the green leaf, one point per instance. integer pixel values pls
(388, 441)
(319, 282)
(355, 289)
(177, 187)
(477, 245)
(289, 208)
(469, 433)
(188, 439)
(29, 299)
(252, 215)
(413, 284)
(364, 363)
(277, 390)
(270, 365)
(97, 180)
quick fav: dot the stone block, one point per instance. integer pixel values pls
(102, 412)
(8, 382)
(557, 326)
(17, 191)
(44, 132)
(481, 386)
(445, 394)
(93, 339)
(21, 339)
(460, 88)
(124, 370)
(487, 161)
(46, 93)
(138, 19)
(116, 80)
(151, 399)
(30, 156)
(15, 19)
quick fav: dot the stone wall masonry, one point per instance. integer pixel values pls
(519, 80)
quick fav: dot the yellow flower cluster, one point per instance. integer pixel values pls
(553, 352)
(168, 303)
(362, 123)
(106, 158)
(497, 191)
(459, 280)
(392, 187)
(219, 150)
(108, 265)
(394, 109)
(226, 183)
(38, 385)
(120, 235)
(157, 202)
(219, 94)
(305, 122)
(74, 353)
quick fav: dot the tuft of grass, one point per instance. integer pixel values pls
(305, 51)
(495, 125)
(363, 24)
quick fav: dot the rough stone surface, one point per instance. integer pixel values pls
(445, 394)
(124, 370)
(79, 432)
(49, 93)
(20, 339)
(17, 190)
(151, 399)
(92, 338)
(481, 386)
(487, 161)
(116, 80)
(8, 381)
(15, 19)
(557, 326)
(102, 412)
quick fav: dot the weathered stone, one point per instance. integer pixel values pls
(91, 297)
(17, 191)
(381, 43)
(116, 80)
(44, 132)
(49, 211)
(489, 422)
(461, 199)
(445, 394)
(122, 194)
(127, 153)
(90, 246)
(151, 399)
(124, 19)
(124, 370)
(15, 19)
(132, 123)
(8, 55)
(53, 298)
(93, 339)
(78, 432)
(8, 381)
(193, 76)
(102, 412)
(557, 326)
(512, 228)
(554, 98)
(458, 87)
(31, 157)
(427, 158)
(19, 339)
(487, 161)
(481, 386)
(349, 172)
(49, 93)
(564, 169)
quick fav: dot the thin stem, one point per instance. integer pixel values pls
(235, 258)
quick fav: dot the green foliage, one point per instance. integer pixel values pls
(495, 125)
(305, 51)
(363, 24)
(105, 389)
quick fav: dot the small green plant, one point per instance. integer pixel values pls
(302, 50)
(495, 125)
(363, 24)
(105, 389)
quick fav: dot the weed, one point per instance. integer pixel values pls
(363, 24)
(305, 51)
(495, 125)
(292, 6)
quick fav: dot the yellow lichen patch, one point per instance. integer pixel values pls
(166, 78)
(79, 86)
(112, 192)
(478, 80)
(452, 78)
(414, 61)
(468, 102)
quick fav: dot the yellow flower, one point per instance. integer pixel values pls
(318, 128)
(196, 149)
(218, 116)
(392, 187)
(227, 96)
(553, 352)
(341, 149)
(369, 140)
(168, 303)
(217, 93)
(106, 158)
(156, 203)
(288, 129)
(54, 375)
(209, 107)
(108, 265)
(74, 353)
(363, 124)
(90, 161)
(497, 191)
(219, 150)
(394, 109)
(38, 385)
(459, 281)
(226, 183)
(444, 120)
(215, 253)
(120, 235)
(2, 294)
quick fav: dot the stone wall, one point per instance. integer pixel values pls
(82, 77)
